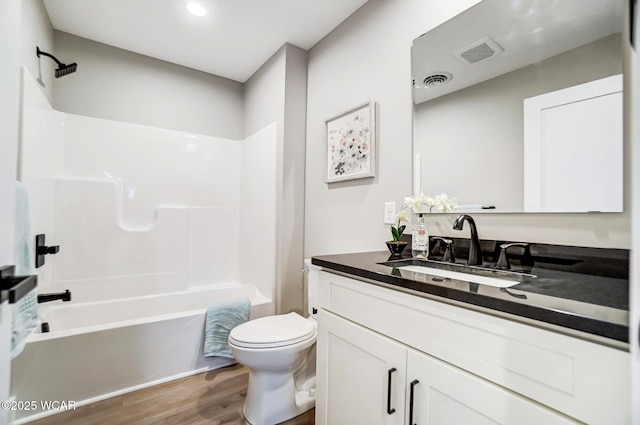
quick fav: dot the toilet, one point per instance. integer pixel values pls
(280, 353)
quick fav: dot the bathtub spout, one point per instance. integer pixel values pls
(64, 296)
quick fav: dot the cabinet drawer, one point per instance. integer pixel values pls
(582, 379)
(442, 394)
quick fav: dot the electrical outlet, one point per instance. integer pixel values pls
(389, 212)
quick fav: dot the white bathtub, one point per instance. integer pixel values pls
(101, 349)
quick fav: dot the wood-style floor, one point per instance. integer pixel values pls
(211, 398)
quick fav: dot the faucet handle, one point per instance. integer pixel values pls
(448, 251)
(503, 261)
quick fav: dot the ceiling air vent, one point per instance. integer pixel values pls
(478, 51)
(436, 79)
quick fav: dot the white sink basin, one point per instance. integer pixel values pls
(465, 277)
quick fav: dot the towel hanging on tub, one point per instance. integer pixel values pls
(24, 251)
(221, 319)
(24, 318)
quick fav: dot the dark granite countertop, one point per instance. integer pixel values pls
(577, 298)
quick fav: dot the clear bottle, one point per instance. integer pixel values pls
(420, 240)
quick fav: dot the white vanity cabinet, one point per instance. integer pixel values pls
(442, 394)
(363, 375)
(370, 379)
(380, 351)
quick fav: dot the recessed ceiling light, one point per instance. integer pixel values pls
(196, 8)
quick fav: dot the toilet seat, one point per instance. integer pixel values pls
(273, 331)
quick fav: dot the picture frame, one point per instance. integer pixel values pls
(350, 144)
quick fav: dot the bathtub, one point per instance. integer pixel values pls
(96, 350)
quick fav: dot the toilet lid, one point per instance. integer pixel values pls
(272, 331)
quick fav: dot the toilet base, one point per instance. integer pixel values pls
(272, 398)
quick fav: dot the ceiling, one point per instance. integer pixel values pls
(232, 40)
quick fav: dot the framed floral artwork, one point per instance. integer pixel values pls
(350, 140)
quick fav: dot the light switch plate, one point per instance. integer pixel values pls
(389, 212)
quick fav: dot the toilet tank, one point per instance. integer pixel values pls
(311, 282)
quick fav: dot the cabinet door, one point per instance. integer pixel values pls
(441, 394)
(360, 375)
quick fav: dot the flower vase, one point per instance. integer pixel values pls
(396, 247)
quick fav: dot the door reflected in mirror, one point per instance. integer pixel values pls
(472, 75)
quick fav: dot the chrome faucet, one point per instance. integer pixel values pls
(475, 252)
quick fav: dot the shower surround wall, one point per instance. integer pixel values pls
(140, 210)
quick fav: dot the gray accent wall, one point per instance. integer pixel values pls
(278, 92)
(119, 85)
(36, 31)
(367, 58)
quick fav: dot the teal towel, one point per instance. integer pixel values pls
(24, 251)
(24, 321)
(221, 318)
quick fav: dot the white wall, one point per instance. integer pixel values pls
(9, 112)
(368, 58)
(9, 103)
(365, 58)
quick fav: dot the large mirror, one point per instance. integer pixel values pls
(518, 107)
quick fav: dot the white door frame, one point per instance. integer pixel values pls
(9, 112)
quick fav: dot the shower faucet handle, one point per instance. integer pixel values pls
(42, 249)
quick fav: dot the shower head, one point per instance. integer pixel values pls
(63, 69)
(66, 69)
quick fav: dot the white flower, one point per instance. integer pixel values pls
(411, 202)
(417, 202)
(441, 202)
(444, 203)
(402, 216)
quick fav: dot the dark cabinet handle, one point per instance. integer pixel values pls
(389, 409)
(413, 384)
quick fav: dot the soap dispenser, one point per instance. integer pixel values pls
(420, 240)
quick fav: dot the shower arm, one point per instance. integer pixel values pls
(40, 52)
